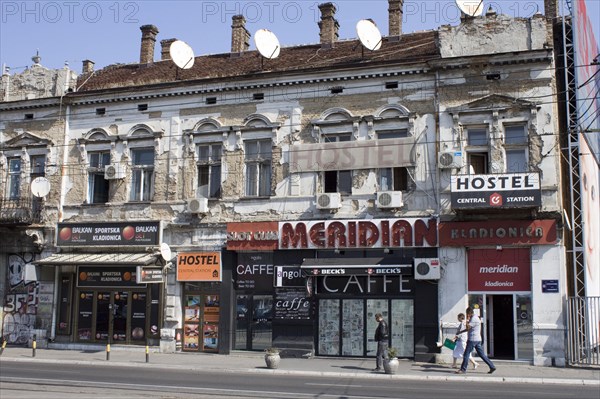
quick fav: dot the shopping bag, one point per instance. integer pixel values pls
(448, 343)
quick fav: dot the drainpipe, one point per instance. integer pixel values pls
(63, 188)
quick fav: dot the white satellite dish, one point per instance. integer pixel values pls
(182, 54)
(40, 187)
(267, 43)
(474, 8)
(368, 34)
(165, 251)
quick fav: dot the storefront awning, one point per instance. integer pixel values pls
(351, 266)
(130, 259)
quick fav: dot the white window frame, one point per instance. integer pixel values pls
(213, 162)
(478, 149)
(512, 145)
(142, 181)
(96, 175)
(258, 168)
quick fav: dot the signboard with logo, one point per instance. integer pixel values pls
(498, 232)
(376, 233)
(291, 304)
(255, 236)
(112, 234)
(254, 271)
(288, 276)
(495, 270)
(199, 266)
(98, 276)
(512, 190)
(149, 275)
(399, 286)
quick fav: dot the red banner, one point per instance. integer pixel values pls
(508, 269)
(255, 236)
(498, 232)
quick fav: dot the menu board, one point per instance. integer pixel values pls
(291, 304)
(84, 321)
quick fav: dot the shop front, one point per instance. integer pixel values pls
(104, 296)
(514, 277)
(314, 286)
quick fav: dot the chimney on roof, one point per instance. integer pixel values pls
(395, 12)
(551, 9)
(88, 66)
(165, 47)
(328, 25)
(240, 37)
(149, 33)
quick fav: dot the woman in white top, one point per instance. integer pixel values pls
(461, 342)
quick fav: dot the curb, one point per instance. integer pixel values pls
(402, 377)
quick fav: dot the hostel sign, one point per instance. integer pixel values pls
(511, 190)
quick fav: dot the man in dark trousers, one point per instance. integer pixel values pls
(381, 337)
(474, 342)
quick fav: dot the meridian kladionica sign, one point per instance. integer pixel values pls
(182, 54)
(473, 8)
(267, 43)
(40, 187)
(368, 34)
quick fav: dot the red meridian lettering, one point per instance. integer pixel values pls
(317, 234)
(336, 232)
(364, 239)
(427, 232)
(385, 233)
(401, 231)
(295, 236)
(352, 234)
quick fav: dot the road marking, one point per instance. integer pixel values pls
(171, 388)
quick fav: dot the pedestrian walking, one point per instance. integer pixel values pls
(381, 337)
(474, 342)
(461, 343)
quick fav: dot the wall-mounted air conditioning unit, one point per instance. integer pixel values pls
(450, 160)
(197, 205)
(389, 199)
(114, 171)
(427, 269)
(329, 201)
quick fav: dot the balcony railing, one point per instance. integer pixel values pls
(20, 211)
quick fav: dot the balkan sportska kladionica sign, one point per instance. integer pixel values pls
(108, 234)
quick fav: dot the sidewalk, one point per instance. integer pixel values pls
(253, 362)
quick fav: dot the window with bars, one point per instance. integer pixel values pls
(142, 174)
(209, 170)
(98, 186)
(258, 154)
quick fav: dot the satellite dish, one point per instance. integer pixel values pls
(267, 43)
(182, 54)
(474, 8)
(40, 187)
(165, 251)
(368, 34)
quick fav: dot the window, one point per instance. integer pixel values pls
(142, 107)
(258, 168)
(477, 150)
(143, 174)
(14, 178)
(97, 185)
(338, 181)
(335, 138)
(392, 134)
(515, 146)
(209, 170)
(37, 166)
(393, 179)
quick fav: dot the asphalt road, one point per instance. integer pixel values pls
(26, 380)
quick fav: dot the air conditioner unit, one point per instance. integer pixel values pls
(329, 201)
(114, 171)
(450, 160)
(197, 205)
(389, 199)
(427, 269)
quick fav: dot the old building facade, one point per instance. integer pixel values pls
(301, 195)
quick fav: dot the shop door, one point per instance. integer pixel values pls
(254, 322)
(501, 330)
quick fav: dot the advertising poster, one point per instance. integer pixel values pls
(508, 269)
(84, 322)
(191, 337)
(211, 336)
(292, 304)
